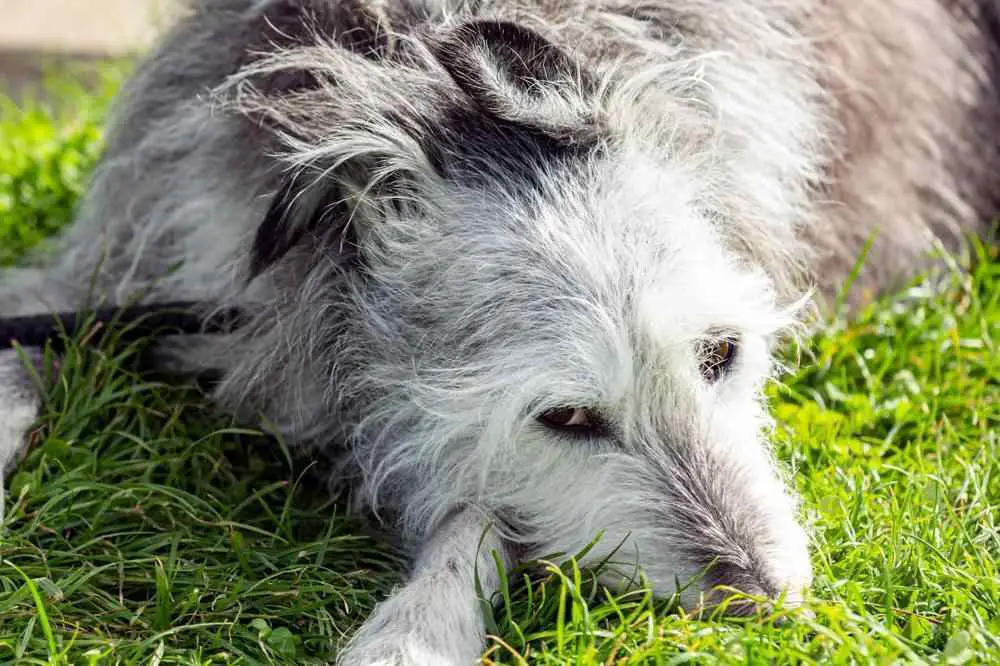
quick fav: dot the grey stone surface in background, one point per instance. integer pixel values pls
(39, 36)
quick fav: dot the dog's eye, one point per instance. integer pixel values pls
(716, 357)
(573, 419)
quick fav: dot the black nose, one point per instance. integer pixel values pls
(741, 591)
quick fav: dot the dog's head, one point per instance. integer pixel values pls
(562, 293)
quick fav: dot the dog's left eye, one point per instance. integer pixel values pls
(716, 357)
(572, 419)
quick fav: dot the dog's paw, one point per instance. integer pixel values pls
(406, 645)
(15, 424)
(19, 405)
(396, 653)
(423, 624)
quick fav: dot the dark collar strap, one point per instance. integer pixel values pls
(130, 322)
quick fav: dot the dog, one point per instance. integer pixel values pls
(519, 268)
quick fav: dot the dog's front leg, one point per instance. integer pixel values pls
(436, 618)
(20, 401)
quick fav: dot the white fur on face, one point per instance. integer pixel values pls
(593, 294)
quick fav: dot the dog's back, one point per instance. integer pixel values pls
(913, 88)
(871, 116)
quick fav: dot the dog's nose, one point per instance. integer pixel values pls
(743, 591)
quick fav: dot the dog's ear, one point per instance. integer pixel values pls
(350, 144)
(334, 201)
(301, 207)
(517, 74)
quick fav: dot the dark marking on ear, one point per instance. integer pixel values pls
(478, 149)
(488, 59)
(298, 209)
(277, 232)
(521, 55)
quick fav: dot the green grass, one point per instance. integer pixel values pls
(143, 529)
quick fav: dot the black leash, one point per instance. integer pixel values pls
(130, 323)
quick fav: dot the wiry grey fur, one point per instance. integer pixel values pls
(448, 217)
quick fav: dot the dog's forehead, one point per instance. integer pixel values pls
(598, 236)
(635, 227)
(642, 223)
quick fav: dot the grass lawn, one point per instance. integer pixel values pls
(141, 529)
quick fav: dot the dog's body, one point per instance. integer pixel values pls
(518, 266)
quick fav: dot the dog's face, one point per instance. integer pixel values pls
(633, 405)
(590, 359)
(557, 322)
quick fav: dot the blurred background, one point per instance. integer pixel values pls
(39, 38)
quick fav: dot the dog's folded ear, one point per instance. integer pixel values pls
(303, 206)
(359, 136)
(347, 143)
(516, 74)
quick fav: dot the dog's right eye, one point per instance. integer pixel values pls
(575, 420)
(716, 357)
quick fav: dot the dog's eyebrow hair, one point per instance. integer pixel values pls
(136, 321)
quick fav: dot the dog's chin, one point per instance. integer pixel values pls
(681, 588)
(692, 593)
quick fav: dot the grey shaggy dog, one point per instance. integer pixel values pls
(518, 267)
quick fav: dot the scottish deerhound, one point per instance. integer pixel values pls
(519, 265)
